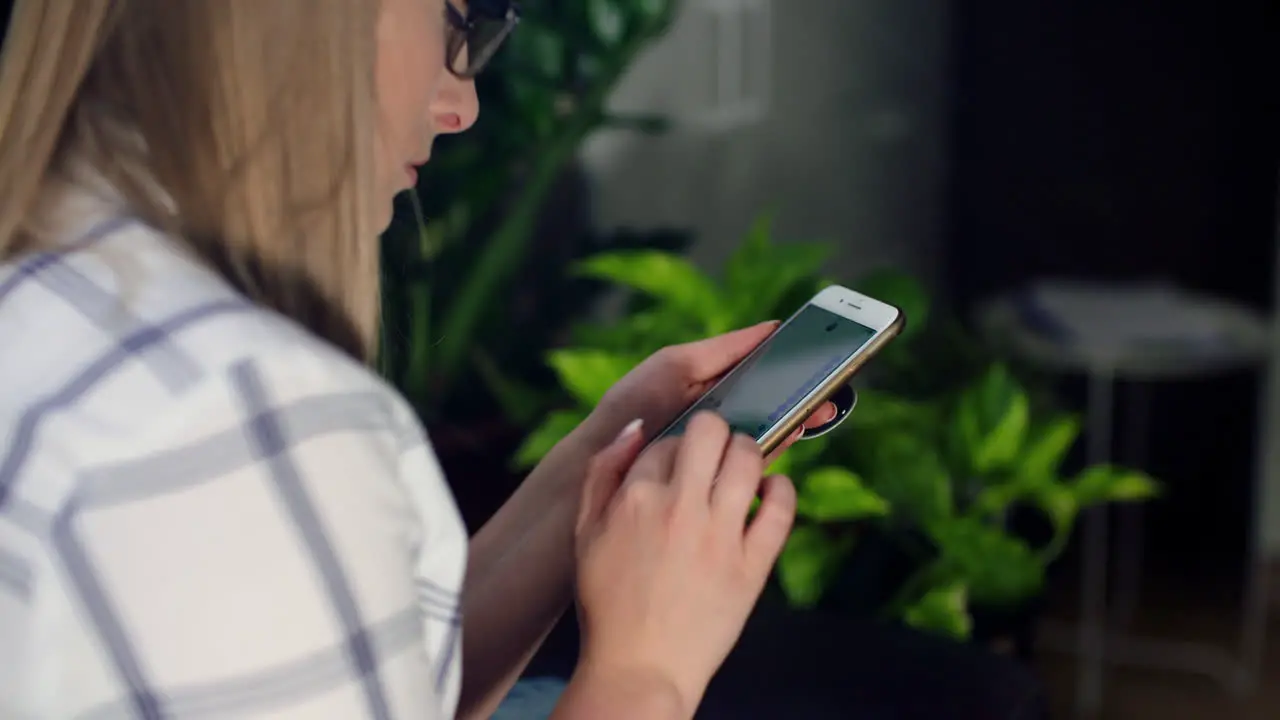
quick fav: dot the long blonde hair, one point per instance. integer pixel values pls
(254, 119)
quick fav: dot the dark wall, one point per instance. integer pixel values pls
(1096, 139)
(1128, 141)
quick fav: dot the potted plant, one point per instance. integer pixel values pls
(930, 463)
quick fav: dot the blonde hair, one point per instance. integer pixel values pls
(254, 119)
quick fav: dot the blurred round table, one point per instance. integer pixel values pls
(1019, 325)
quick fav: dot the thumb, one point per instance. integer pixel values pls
(605, 473)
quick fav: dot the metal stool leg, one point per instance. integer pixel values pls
(1130, 545)
(1093, 600)
(1253, 625)
(1257, 581)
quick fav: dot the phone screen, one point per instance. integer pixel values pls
(795, 361)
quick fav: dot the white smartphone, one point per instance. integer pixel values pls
(800, 366)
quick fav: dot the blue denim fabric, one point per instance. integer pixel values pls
(531, 699)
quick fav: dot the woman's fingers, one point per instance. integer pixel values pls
(605, 474)
(792, 439)
(768, 530)
(706, 464)
(698, 460)
(655, 462)
(738, 481)
(821, 416)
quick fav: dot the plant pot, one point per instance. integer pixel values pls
(872, 575)
(878, 568)
(819, 664)
(1009, 631)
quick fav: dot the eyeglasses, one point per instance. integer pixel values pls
(473, 40)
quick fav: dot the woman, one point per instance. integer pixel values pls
(209, 506)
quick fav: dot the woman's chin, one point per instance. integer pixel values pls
(383, 219)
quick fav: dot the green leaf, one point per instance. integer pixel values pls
(992, 420)
(608, 24)
(1045, 452)
(587, 374)
(760, 277)
(539, 48)
(1059, 503)
(745, 266)
(1002, 442)
(535, 102)
(800, 458)
(834, 494)
(809, 562)
(639, 334)
(1054, 499)
(654, 13)
(1107, 484)
(554, 429)
(902, 291)
(999, 569)
(880, 411)
(667, 277)
(907, 472)
(1036, 476)
(942, 610)
(993, 500)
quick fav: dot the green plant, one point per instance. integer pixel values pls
(676, 303)
(938, 464)
(953, 467)
(453, 253)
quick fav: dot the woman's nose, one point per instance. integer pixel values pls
(456, 105)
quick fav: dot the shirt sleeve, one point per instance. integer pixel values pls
(260, 552)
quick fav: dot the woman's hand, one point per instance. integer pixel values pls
(670, 380)
(668, 566)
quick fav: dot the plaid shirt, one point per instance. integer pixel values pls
(206, 512)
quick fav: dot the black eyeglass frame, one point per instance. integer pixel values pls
(459, 36)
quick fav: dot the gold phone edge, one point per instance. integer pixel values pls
(770, 442)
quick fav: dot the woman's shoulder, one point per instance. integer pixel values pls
(120, 333)
(123, 303)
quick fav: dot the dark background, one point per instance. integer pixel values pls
(1105, 140)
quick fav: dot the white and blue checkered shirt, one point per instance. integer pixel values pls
(205, 511)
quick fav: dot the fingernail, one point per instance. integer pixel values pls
(630, 430)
